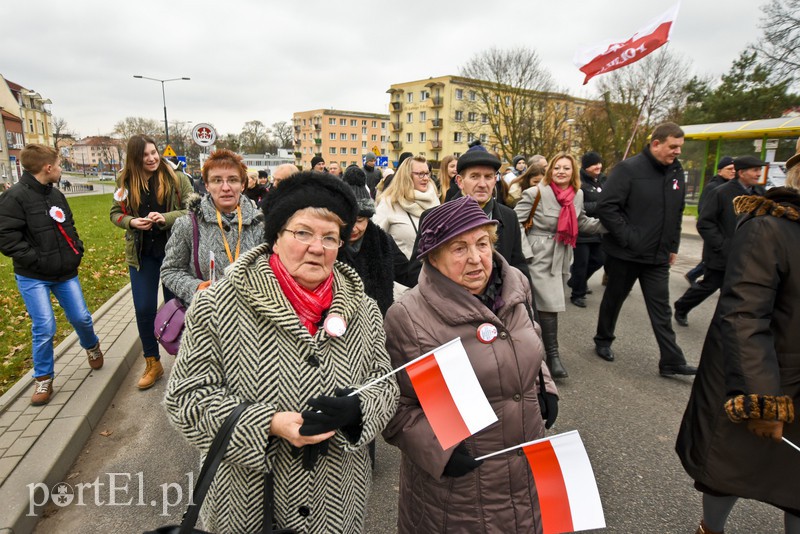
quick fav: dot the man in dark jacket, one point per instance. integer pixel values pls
(38, 233)
(716, 224)
(725, 172)
(374, 175)
(641, 206)
(588, 255)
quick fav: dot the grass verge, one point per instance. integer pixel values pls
(103, 272)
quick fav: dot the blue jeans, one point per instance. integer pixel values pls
(36, 294)
(144, 288)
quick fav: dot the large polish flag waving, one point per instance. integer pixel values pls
(611, 55)
(450, 395)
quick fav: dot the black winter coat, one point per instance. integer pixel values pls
(717, 223)
(641, 206)
(31, 237)
(751, 349)
(712, 184)
(379, 262)
(591, 187)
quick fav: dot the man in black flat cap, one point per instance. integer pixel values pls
(716, 223)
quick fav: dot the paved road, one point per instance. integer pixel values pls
(627, 416)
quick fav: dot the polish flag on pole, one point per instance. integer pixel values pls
(568, 495)
(611, 55)
(450, 395)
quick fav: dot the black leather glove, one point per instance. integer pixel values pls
(548, 402)
(460, 463)
(311, 453)
(333, 413)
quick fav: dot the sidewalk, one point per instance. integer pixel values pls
(38, 444)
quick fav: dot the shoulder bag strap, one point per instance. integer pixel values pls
(209, 469)
(529, 222)
(414, 226)
(196, 245)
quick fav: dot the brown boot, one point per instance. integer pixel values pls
(703, 529)
(152, 372)
(43, 391)
(95, 355)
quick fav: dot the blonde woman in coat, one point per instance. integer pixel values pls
(556, 221)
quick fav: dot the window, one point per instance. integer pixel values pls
(343, 137)
(332, 121)
(363, 144)
(422, 116)
(383, 152)
(353, 122)
(472, 116)
(374, 124)
(354, 137)
(304, 137)
(304, 122)
(374, 137)
(410, 97)
(363, 123)
(424, 95)
(409, 137)
(422, 137)
(383, 125)
(364, 130)
(457, 137)
(508, 101)
(484, 118)
(332, 150)
(472, 96)
(354, 151)
(342, 150)
(333, 136)
(459, 94)
(383, 139)
(342, 122)
(409, 117)
(459, 115)
(470, 137)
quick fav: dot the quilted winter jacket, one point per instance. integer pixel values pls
(500, 495)
(244, 342)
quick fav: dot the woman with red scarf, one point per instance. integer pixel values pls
(291, 331)
(552, 214)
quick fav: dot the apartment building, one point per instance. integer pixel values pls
(96, 153)
(336, 135)
(441, 116)
(32, 108)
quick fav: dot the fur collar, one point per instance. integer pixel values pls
(778, 202)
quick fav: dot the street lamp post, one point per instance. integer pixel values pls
(163, 97)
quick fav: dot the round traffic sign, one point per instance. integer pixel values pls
(204, 134)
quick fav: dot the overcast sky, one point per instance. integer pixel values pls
(264, 60)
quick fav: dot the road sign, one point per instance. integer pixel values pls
(204, 134)
(168, 152)
(376, 151)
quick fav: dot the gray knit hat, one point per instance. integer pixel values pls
(354, 177)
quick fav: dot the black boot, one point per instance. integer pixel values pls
(549, 324)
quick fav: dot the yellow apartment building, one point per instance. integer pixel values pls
(341, 136)
(31, 108)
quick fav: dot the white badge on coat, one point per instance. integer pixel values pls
(335, 325)
(675, 185)
(487, 333)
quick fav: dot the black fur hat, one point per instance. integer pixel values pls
(308, 190)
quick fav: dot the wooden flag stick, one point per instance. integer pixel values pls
(792, 444)
(524, 445)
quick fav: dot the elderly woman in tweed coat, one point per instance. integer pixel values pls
(292, 332)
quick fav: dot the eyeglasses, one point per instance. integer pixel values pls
(329, 242)
(230, 181)
(421, 174)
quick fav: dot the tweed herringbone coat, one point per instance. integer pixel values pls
(244, 342)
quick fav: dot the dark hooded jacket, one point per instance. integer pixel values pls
(591, 187)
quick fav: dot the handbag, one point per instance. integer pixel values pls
(529, 221)
(170, 318)
(206, 476)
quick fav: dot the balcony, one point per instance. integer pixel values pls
(435, 145)
(397, 145)
(397, 106)
(297, 140)
(396, 126)
(436, 124)
(437, 101)
(317, 141)
(296, 127)
(317, 126)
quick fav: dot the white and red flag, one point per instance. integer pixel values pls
(568, 495)
(611, 55)
(449, 393)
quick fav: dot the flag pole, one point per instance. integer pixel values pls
(790, 443)
(485, 456)
(393, 371)
(647, 97)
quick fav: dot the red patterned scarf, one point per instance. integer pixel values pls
(308, 305)
(567, 230)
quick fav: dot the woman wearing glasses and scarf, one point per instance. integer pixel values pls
(291, 331)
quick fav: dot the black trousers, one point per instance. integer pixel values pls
(586, 260)
(711, 282)
(654, 281)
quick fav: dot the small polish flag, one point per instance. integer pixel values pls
(450, 395)
(613, 54)
(568, 496)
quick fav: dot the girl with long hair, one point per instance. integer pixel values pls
(447, 177)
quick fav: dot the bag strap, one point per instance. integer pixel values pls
(529, 222)
(414, 226)
(196, 245)
(209, 469)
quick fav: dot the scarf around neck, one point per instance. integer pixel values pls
(309, 305)
(567, 229)
(422, 201)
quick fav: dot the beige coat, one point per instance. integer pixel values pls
(551, 260)
(500, 495)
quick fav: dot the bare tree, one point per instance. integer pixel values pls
(283, 134)
(130, 126)
(516, 96)
(60, 130)
(254, 136)
(230, 141)
(780, 45)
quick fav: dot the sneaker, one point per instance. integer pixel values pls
(43, 391)
(95, 355)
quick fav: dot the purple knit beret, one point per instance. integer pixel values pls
(449, 220)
